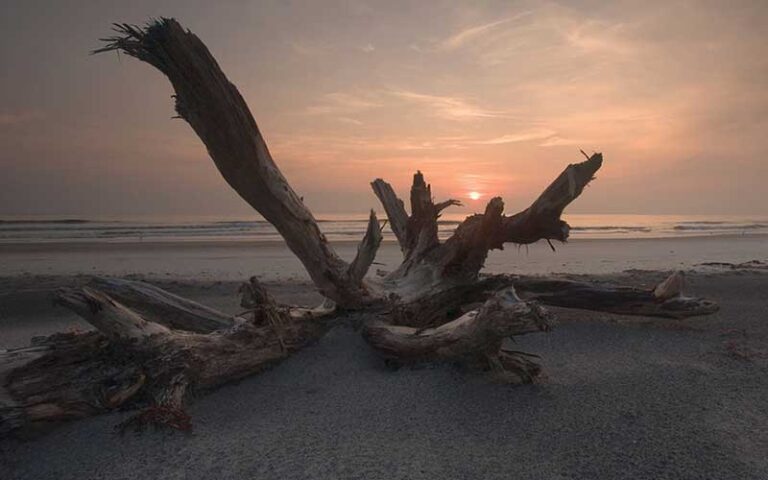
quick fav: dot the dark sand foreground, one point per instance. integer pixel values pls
(621, 398)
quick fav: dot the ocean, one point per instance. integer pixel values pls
(342, 228)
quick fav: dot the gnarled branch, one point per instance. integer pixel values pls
(475, 338)
(214, 108)
(542, 219)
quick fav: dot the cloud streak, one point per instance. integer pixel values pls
(448, 107)
(343, 103)
(467, 35)
(522, 136)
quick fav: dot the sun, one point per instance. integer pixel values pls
(474, 195)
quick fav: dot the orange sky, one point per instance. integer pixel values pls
(490, 97)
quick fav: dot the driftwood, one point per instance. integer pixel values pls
(475, 338)
(152, 349)
(132, 361)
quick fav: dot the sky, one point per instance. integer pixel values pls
(488, 97)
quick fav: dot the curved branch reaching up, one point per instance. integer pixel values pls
(214, 108)
(366, 251)
(542, 219)
(395, 209)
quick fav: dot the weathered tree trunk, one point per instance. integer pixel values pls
(434, 309)
(133, 362)
(474, 339)
(214, 108)
(666, 300)
(152, 348)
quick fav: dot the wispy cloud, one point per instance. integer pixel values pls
(349, 121)
(364, 145)
(523, 136)
(452, 108)
(557, 141)
(469, 34)
(595, 37)
(339, 103)
(305, 49)
(367, 48)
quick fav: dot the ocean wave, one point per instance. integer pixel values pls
(611, 228)
(704, 222)
(724, 226)
(66, 221)
(349, 228)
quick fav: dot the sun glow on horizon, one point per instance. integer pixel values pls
(474, 195)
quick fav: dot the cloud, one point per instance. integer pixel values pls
(305, 49)
(367, 48)
(557, 141)
(592, 37)
(343, 103)
(523, 136)
(349, 121)
(469, 34)
(451, 108)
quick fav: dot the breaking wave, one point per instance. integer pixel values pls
(348, 228)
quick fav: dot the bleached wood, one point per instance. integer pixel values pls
(611, 298)
(395, 209)
(111, 318)
(671, 287)
(474, 338)
(163, 307)
(214, 108)
(131, 362)
(366, 251)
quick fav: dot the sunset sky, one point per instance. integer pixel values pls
(488, 97)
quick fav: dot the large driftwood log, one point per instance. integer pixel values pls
(666, 300)
(131, 362)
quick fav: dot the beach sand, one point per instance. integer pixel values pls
(236, 260)
(620, 397)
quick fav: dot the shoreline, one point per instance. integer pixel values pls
(273, 260)
(224, 243)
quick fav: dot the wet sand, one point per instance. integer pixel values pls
(621, 397)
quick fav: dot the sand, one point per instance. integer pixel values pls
(621, 397)
(235, 260)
